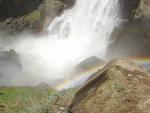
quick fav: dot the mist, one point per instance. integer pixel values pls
(77, 34)
(44, 58)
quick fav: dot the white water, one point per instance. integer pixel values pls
(80, 32)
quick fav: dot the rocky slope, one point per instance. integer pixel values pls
(120, 87)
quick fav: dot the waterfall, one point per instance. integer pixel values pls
(89, 24)
(78, 33)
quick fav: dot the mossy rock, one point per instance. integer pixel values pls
(30, 18)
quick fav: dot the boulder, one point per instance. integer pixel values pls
(120, 87)
(9, 62)
(10, 66)
(85, 67)
(89, 64)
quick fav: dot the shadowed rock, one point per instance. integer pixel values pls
(9, 63)
(89, 63)
(17, 8)
(134, 40)
(133, 37)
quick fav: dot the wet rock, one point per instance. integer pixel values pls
(132, 41)
(9, 58)
(89, 63)
(133, 37)
(9, 62)
(10, 66)
(128, 8)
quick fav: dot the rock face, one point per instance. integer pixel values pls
(19, 15)
(143, 11)
(128, 8)
(134, 40)
(134, 37)
(120, 87)
(16, 8)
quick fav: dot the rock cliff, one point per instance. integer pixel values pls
(133, 38)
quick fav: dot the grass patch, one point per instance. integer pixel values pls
(35, 100)
(23, 99)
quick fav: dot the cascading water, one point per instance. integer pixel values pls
(88, 25)
(78, 33)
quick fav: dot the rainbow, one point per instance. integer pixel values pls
(142, 61)
(76, 78)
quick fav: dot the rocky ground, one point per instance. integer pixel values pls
(120, 87)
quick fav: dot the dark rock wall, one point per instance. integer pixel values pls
(128, 8)
(69, 3)
(132, 39)
(17, 8)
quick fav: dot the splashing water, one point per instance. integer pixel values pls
(87, 27)
(78, 33)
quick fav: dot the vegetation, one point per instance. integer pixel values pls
(30, 17)
(34, 16)
(34, 100)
